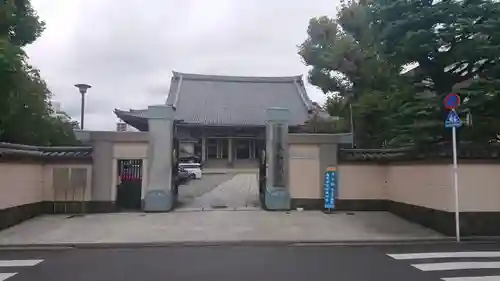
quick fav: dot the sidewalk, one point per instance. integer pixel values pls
(214, 227)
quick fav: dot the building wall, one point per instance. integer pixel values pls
(102, 182)
(362, 182)
(17, 190)
(309, 156)
(424, 193)
(420, 192)
(109, 147)
(428, 185)
(29, 188)
(304, 168)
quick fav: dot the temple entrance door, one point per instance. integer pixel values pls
(242, 148)
(212, 148)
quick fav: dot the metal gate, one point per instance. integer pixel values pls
(129, 189)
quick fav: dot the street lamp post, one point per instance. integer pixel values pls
(351, 121)
(83, 90)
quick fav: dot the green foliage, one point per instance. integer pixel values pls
(25, 114)
(360, 54)
(317, 124)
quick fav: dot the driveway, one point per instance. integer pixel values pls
(198, 187)
(234, 192)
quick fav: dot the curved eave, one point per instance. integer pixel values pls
(138, 122)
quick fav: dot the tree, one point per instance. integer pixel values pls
(453, 42)
(344, 62)
(25, 114)
(361, 53)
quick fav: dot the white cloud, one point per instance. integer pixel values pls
(126, 49)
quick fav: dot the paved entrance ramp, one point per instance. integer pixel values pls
(238, 192)
(214, 227)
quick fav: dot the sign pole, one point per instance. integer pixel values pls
(451, 102)
(455, 182)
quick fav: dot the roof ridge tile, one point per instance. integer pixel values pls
(230, 78)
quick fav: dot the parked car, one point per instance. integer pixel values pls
(183, 176)
(194, 169)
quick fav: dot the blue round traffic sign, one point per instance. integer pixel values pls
(451, 101)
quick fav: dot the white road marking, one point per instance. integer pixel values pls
(16, 263)
(456, 265)
(485, 254)
(4, 276)
(476, 278)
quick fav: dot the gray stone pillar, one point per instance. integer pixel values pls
(230, 150)
(203, 149)
(159, 196)
(277, 195)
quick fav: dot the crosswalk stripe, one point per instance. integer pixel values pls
(4, 276)
(455, 265)
(475, 278)
(15, 263)
(484, 254)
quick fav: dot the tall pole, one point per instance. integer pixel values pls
(82, 113)
(351, 121)
(455, 182)
(451, 102)
(83, 90)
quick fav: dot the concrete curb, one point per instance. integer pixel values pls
(248, 243)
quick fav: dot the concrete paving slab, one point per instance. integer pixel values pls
(214, 226)
(240, 191)
(198, 187)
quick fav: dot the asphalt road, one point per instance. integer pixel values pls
(291, 263)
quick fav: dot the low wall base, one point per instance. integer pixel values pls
(471, 223)
(341, 205)
(14, 215)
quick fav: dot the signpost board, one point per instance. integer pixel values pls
(330, 188)
(451, 102)
(452, 121)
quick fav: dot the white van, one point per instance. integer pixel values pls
(194, 169)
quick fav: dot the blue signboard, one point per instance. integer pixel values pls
(330, 187)
(452, 120)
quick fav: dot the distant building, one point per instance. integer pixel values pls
(121, 127)
(58, 112)
(224, 117)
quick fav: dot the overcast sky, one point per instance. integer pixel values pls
(127, 49)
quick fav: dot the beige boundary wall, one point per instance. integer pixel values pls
(28, 183)
(428, 185)
(29, 188)
(421, 192)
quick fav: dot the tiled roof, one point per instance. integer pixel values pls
(17, 150)
(233, 100)
(431, 152)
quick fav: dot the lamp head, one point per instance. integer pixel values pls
(83, 88)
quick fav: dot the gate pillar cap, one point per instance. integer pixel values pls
(161, 112)
(278, 114)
